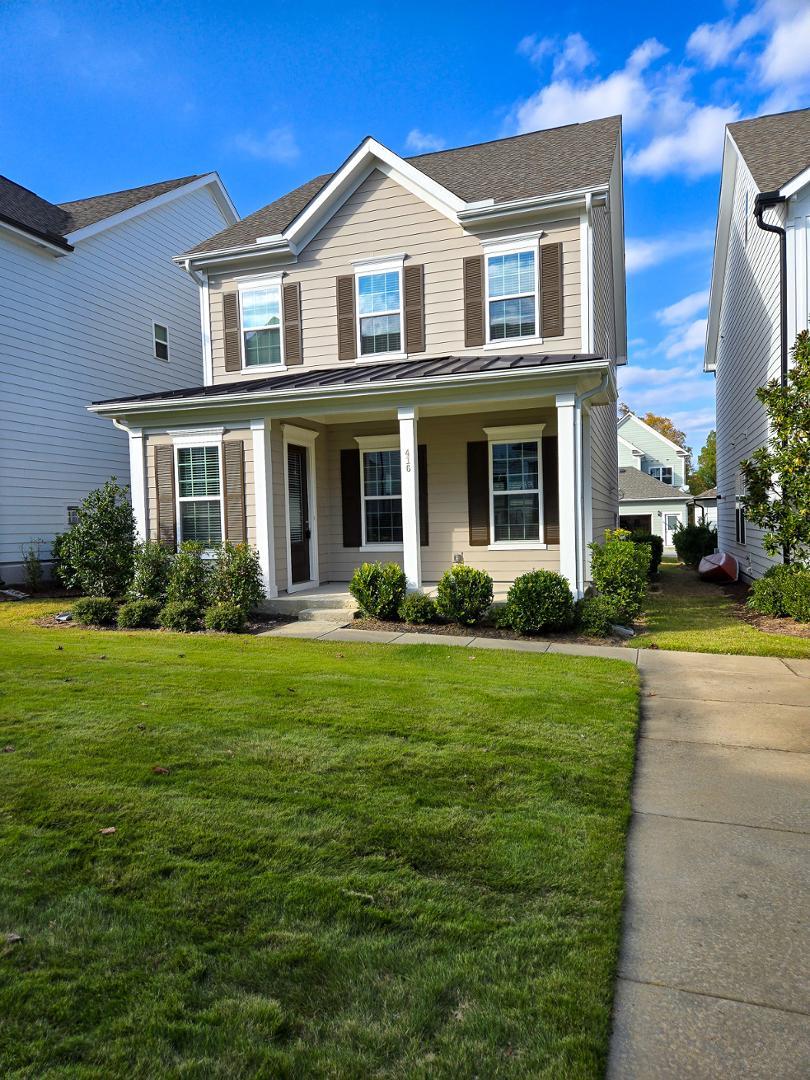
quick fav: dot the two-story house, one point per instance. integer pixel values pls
(91, 303)
(653, 496)
(408, 359)
(760, 299)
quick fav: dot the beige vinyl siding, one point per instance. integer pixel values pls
(747, 356)
(604, 312)
(604, 470)
(381, 218)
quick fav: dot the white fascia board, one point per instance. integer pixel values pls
(728, 180)
(615, 207)
(474, 214)
(220, 195)
(794, 186)
(629, 446)
(37, 241)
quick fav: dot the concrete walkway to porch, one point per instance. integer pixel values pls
(713, 978)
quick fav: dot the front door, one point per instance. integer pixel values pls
(298, 513)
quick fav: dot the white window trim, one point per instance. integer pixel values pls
(362, 268)
(155, 325)
(251, 284)
(516, 433)
(512, 248)
(305, 437)
(659, 469)
(368, 444)
(190, 440)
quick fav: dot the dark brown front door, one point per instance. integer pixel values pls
(298, 513)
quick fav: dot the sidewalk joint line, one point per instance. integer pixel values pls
(709, 994)
(724, 745)
(716, 821)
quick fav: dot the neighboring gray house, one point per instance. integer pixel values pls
(91, 305)
(411, 360)
(653, 496)
(756, 310)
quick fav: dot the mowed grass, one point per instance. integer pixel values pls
(696, 616)
(363, 861)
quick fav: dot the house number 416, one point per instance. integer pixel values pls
(407, 460)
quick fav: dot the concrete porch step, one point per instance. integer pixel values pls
(319, 614)
(324, 599)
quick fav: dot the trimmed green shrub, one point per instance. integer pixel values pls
(152, 567)
(138, 613)
(183, 615)
(226, 616)
(94, 611)
(619, 570)
(188, 577)
(693, 542)
(598, 615)
(768, 595)
(537, 601)
(236, 577)
(656, 548)
(464, 595)
(96, 554)
(797, 594)
(418, 608)
(379, 589)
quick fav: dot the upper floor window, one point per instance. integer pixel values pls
(379, 312)
(512, 295)
(261, 324)
(663, 473)
(199, 494)
(160, 341)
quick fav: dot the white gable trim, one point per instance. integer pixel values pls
(673, 446)
(794, 186)
(629, 446)
(221, 197)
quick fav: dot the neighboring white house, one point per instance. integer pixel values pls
(756, 309)
(91, 303)
(706, 507)
(653, 496)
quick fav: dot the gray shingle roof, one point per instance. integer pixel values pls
(352, 375)
(635, 486)
(775, 148)
(28, 211)
(522, 166)
(709, 493)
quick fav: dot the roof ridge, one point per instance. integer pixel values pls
(510, 138)
(766, 116)
(128, 191)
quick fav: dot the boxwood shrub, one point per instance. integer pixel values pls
(379, 589)
(188, 577)
(656, 548)
(138, 613)
(619, 570)
(226, 616)
(783, 590)
(418, 608)
(597, 615)
(464, 595)
(183, 615)
(693, 542)
(537, 601)
(95, 611)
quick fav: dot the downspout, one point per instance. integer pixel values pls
(579, 474)
(764, 200)
(201, 282)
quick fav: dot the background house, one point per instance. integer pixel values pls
(91, 305)
(653, 496)
(756, 310)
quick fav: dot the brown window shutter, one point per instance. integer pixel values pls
(551, 290)
(350, 498)
(478, 492)
(424, 531)
(347, 338)
(166, 510)
(474, 301)
(230, 318)
(291, 309)
(233, 460)
(414, 289)
(551, 490)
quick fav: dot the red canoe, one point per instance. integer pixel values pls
(720, 567)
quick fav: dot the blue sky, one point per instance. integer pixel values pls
(99, 96)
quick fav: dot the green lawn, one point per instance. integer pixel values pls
(695, 616)
(363, 860)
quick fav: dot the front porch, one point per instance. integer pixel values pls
(332, 602)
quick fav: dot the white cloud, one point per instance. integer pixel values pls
(689, 338)
(715, 44)
(650, 377)
(679, 312)
(643, 252)
(422, 142)
(278, 144)
(572, 55)
(695, 149)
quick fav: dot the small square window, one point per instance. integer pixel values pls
(663, 473)
(72, 515)
(161, 341)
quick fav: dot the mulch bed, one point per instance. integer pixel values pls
(480, 630)
(257, 624)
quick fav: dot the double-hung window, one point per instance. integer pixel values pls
(199, 494)
(379, 306)
(160, 341)
(515, 470)
(663, 473)
(261, 324)
(381, 491)
(512, 295)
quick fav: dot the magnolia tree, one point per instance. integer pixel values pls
(777, 475)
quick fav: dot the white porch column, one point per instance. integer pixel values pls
(263, 494)
(409, 470)
(137, 481)
(567, 473)
(587, 495)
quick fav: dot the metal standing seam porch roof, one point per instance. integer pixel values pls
(349, 375)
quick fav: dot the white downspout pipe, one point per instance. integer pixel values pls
(579, 475)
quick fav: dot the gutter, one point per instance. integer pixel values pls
(763, 201)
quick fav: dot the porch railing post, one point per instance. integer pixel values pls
(409, 471)
(568, 495)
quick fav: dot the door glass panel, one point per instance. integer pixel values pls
(295, 473)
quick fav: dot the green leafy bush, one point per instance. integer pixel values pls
(656, 548)
(693, 542)
(768, 595)
(94, 611)
(188, 577)
(151, 569)
(226, 616)
(379, 589)
(619, 570)
(96, 553)
(597, 615)
(418, 608)
(537, 601)
(797, 594)
(236, 577)
(464, 595)
(183, 615)
(138, 613)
